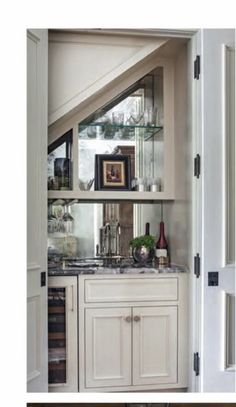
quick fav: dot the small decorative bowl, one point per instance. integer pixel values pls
(143, 254)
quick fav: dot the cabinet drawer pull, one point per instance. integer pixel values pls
(136, 318)
(128, 319)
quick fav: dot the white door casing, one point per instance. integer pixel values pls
(37, 378)
(155, 339)
(195, 284)
(210, 243)
(108, 347)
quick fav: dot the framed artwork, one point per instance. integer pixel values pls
(112, 172)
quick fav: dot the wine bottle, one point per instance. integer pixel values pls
(161, 245)
(147, 229)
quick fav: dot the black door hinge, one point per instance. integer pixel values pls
(197, 166)
(197, 67)
(197, 270)
(196, 363)
(43, 278)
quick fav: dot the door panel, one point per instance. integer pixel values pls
(154, 345)
(36, 210)
(108, 347)
(214, 376)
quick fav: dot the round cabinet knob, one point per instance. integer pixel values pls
(136, 318)
(128, 319)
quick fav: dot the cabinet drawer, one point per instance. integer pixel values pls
(114, 290)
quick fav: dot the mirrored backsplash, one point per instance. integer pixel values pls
(88, 230)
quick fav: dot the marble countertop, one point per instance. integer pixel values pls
(76, 271)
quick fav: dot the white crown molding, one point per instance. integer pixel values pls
(149, 32)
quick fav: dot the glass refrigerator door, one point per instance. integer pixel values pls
(57, 335)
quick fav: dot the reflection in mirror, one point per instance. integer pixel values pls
(93, 230)
(60, 163)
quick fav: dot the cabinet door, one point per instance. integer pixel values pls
(37, 66)
(62, 334)
(108, 347)
(154, 345)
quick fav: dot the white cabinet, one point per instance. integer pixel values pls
(129, 338)
(155, 345)
(119, 341)
(62, 334)
(108, 347)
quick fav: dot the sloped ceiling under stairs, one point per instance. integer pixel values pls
(86, 70)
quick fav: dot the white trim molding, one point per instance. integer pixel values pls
(150, 32)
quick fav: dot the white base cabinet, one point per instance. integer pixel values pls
(108, 347)
(132, 332)
(155, 345)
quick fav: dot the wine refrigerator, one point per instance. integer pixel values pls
(57, 348)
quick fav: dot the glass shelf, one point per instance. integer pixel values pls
(110, 131)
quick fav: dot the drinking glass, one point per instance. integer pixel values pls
(141, 184)
(150, 116)
(118, 118)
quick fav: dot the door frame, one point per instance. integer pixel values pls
(196, 286)
(195, 115)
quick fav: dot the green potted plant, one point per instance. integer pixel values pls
(143, 248)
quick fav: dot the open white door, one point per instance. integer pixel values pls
(37, 50)
(217, 336)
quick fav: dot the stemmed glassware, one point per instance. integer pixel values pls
(136, 117)
(52, 220)
(68, 220)
(61, 222)
(118, 120)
